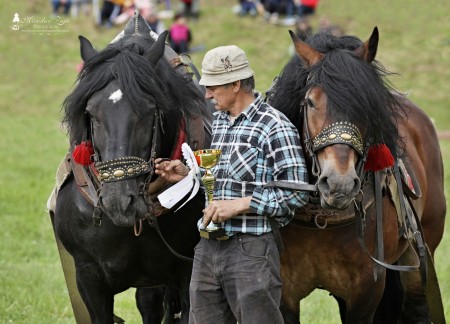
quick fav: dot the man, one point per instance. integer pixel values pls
(238, 279)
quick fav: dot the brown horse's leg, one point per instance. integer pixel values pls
(415, 309)
(362, 303)
(390, 308)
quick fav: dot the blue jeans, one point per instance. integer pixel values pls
(237, 280)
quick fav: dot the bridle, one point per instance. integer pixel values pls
(342, 132)
(128, 167)
(125, 168)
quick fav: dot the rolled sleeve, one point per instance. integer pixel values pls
(276, 202)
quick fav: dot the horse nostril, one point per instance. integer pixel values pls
(131, 199)
(323, 184)
(356, 185)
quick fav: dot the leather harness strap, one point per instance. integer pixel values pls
(83, 181)
(360, 213)
(377, 269)
(292, 185)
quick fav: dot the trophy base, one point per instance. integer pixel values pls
(218, 234)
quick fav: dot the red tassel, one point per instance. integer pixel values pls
(176, 154)
(379, 157)
(82, 153)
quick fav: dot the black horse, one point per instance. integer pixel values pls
(131, 106)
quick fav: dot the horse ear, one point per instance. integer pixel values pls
(368, 50)
(154, 53)
(308, 54)
(86, 48)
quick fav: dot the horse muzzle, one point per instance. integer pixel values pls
(122, 203)
(337, 192)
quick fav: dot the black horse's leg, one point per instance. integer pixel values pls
(390, 307)
(149, 302)
(290, 316)
(96, 294)
(184, 304)
(160, 305)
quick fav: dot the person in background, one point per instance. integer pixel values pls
(80, 7)
(325, 26)
(155, 23)
(299, 9)
(190, 8)
(303, 28)
(65, 4)
(274, 9)
(307, 7)
(110, 11)
(180, 35)
(145, 8)
(237, 277)
(247, 7)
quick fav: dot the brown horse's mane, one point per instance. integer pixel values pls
(357, 91)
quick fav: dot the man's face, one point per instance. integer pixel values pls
(221, 96)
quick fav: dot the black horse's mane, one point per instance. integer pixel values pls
(357, 91)
(139, 80)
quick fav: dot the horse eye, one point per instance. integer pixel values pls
(309, 103)
(91, 116)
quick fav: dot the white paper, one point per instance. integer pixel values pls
(171, 196)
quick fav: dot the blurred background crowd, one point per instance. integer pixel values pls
(176, 15)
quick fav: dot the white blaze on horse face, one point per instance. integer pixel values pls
(116, 96)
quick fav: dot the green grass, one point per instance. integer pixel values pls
(38, 72)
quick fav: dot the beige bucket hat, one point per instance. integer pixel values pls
(224, 64)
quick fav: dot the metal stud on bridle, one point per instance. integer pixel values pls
(339, 133)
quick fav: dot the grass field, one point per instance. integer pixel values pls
(38, 70)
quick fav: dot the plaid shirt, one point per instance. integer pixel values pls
(261, 145)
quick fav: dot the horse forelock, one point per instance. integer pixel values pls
(357, 91)
(139, 81)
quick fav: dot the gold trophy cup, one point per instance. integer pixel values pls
(207, 159)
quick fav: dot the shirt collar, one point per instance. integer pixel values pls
(249, 112)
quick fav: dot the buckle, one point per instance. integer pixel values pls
(218, 234)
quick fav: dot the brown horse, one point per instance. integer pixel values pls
(338, 97)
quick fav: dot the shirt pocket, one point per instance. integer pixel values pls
(243, 162)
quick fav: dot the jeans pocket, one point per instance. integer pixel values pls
(254, 246)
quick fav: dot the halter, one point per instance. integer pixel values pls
(337, 133)
(128, 167)
(124, 168)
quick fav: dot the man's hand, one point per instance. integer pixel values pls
(219, 211)
(171, 171)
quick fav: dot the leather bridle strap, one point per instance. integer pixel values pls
(309, 146)
(153, 221)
